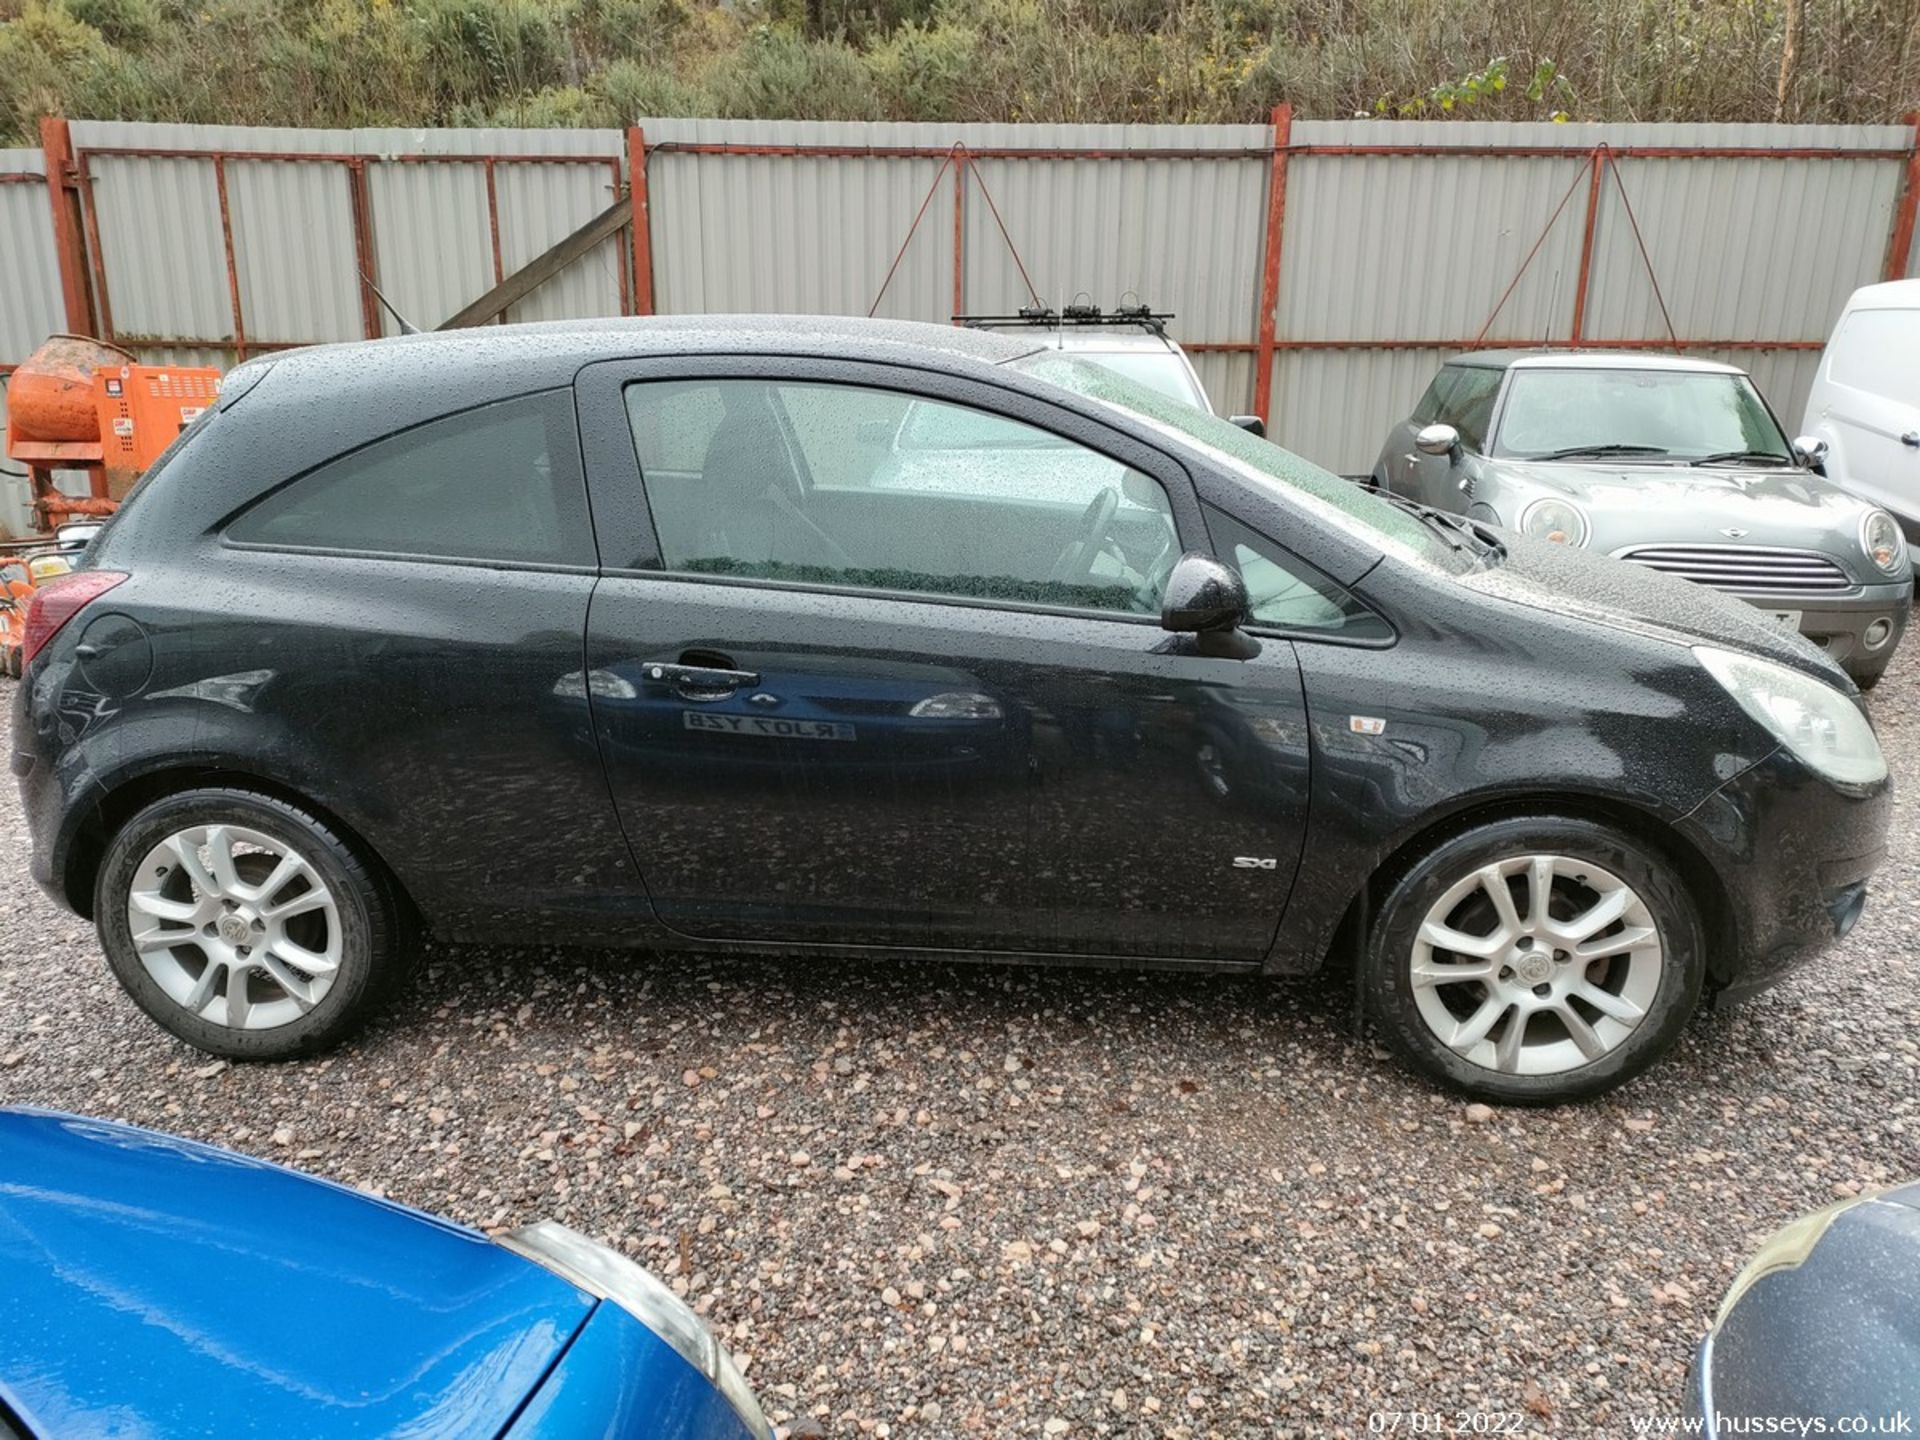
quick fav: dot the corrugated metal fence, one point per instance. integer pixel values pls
(1319, 270)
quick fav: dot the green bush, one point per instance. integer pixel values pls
(633, 30)
(481, 51)
(779, 75)
(131, 24)
(929, 72)
(630, 90)
(46, 55)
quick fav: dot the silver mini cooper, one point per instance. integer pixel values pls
(1672, 463)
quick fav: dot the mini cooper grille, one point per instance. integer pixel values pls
(1746, 569)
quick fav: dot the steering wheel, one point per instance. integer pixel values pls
(1076, 561)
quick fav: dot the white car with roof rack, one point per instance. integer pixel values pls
(1129, 339)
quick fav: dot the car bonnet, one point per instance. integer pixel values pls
(153, 1285)
(1624, 596)
(1681, 503)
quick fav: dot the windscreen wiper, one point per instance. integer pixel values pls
(1724, 457)
(1577, 452)
(1447, 526)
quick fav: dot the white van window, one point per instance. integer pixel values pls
(1878, 351)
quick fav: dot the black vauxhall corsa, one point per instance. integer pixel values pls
(819, 636)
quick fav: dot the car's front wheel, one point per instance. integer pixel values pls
(1535, 961)
(245, 926)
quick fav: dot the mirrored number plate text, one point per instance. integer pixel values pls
(765, 726)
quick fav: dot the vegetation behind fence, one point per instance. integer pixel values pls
(601, 62)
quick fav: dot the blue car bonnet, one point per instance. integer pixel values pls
(154, 1286)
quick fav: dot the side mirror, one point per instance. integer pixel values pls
(1203, 595)
(1252, 424)
(1810, 451)
(1438, 440)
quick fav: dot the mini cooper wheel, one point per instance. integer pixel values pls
(1535, 961)
(244, 926)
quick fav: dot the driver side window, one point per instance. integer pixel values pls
(1468, 404)
(850, 485)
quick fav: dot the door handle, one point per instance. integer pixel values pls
(707, 678)
(1912, 437)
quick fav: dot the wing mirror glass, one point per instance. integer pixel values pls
(1810, 451)
(1437, 440)
(1252, 424)
(1203, 595)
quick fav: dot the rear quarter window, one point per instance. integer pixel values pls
(501, 482)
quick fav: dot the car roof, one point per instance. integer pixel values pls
(551, 350)
(170, 1281)
(1592, 360)
(1888, 295)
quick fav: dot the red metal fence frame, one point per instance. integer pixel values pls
(1282, 151)
(70, 171)
(70, 182)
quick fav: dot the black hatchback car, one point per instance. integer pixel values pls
(818, 636)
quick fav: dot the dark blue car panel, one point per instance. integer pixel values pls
(1830, 1332)
(151, 1285)
(617, 1381)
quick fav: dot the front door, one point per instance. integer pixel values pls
(885, 669)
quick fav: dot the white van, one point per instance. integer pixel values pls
(1865, 402)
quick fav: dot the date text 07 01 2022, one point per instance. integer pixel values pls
(1445, 1422)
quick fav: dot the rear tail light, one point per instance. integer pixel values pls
(57, 602)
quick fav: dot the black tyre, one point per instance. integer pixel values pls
(1479, 989)
(245, 926)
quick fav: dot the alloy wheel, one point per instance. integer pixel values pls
(235, 926)
(1536, 964)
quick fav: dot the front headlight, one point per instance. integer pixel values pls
(1881, 538)
(1786, 1249)
(43, 568)
(1815, 721)
(611, 1276)
(1555, 520)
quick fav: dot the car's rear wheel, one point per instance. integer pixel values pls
(245, 926)
(1535, 961)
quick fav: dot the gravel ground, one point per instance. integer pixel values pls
(973, 1200)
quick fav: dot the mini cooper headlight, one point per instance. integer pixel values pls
(1555, 520)
(613, 1277)
(600, 684)
(1881, 538)
(1817, 723)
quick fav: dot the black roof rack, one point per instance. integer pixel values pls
(1043, 315)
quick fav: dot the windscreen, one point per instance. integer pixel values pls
(1664, 414)
(1160, 370)
(1392, 530)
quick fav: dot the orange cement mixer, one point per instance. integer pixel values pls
(82, 404)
